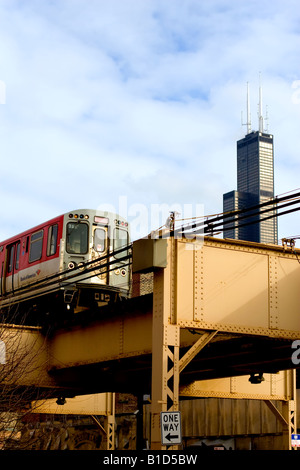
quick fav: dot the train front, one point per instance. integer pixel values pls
(95, 254)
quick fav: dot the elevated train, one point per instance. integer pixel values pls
(77, 260)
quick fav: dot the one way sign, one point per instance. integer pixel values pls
(170, 428)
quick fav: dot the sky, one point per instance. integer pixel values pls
(136, 105)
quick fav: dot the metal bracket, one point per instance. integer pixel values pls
(195, 349)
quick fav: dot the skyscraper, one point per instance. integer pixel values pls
(255, 184)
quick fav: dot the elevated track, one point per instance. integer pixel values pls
(218, 309)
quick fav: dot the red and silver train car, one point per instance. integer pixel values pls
(79, 259)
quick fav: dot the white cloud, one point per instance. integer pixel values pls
(142, 99)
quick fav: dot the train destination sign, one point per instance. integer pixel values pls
(170, 428)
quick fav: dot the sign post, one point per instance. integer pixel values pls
(171, 428)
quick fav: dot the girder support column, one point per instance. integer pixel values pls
(288, 414)
(110, 421)
(166, 365)
(109, 429)
(165, 352)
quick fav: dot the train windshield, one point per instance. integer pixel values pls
(121, 240)
(77, 238)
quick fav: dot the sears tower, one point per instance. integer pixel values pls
(255, 185)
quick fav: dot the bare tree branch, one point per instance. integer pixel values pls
(22, 354)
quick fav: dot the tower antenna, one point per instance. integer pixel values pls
(248, 110)
(260, 110)
(267, 119)
(248, 122)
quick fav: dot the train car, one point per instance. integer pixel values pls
(76, 260)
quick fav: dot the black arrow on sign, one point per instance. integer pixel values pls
(171, 436)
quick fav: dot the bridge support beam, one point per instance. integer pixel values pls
(165, 351)
(109, 429)
(288, 415)
(111, 419)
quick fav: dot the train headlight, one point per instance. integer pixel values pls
(123, 272)
(72, 265)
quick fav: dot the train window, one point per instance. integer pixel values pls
(120, 241)
(18, 255)
(99, 240)
(11, 258)
(36, 246)
(52, 240)
(77, 238)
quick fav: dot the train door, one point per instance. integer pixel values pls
(11, 274)
(100, 249)
(121, 274)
